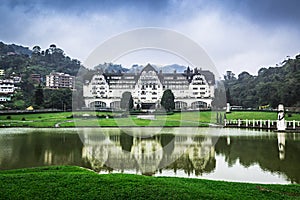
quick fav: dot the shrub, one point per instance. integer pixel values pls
(71, 117)
(8, 117)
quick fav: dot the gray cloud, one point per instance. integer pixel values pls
(267, 11)
(238, 35)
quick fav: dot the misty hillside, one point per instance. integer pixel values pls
(10, 49)
(272, 86)
(117, 68)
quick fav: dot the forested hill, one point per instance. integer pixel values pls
(13, 49)
(23, 61)
(271, 86)
(18, 61)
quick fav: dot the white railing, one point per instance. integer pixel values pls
(260, 123)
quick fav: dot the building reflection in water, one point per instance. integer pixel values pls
(116, 150)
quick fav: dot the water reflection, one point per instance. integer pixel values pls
(281, 145)
(146, 154)
(277, 154)
(234, 155)
(39, 148)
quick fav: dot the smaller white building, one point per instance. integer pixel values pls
(7, 86)
(5, 98)
(60, 80)
(7, 89)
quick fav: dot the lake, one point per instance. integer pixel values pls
(210, 153)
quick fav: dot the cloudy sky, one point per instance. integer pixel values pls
(237, 35)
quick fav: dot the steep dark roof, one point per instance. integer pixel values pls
(209, 76)
(148, 68)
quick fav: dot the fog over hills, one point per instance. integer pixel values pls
(8, 49)
(110, 67)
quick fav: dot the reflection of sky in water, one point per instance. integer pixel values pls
(235, 173)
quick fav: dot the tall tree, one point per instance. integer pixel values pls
(228, 96)
(39, 96)
(58, 99)
(36, 50)
(126, 101)
(167, 100)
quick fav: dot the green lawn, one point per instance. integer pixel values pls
(67, 182)
(63, 119)
(259, 115)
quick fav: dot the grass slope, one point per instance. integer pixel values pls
(66, 182)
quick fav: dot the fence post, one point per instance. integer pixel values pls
(260, 123)
(239, 122)
(268, 123)
(246, 122)
(294, 124)
(253, 123)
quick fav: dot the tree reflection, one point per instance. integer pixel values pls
(262, 150)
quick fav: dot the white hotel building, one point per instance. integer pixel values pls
(192, 90)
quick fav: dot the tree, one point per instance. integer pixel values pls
(188, 71)
(39, 96)
(167, 100)
(58, 99)
(244, 75)
(126, 101)
(19, 104)
(229, 75)
(36, 50)
(228, 97)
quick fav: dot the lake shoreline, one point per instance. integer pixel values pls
(113, 127)
(95, 119)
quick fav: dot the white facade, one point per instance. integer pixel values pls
(60, 80)
(7, 86)
(191, 90)
(7, 89)
(5, 98)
